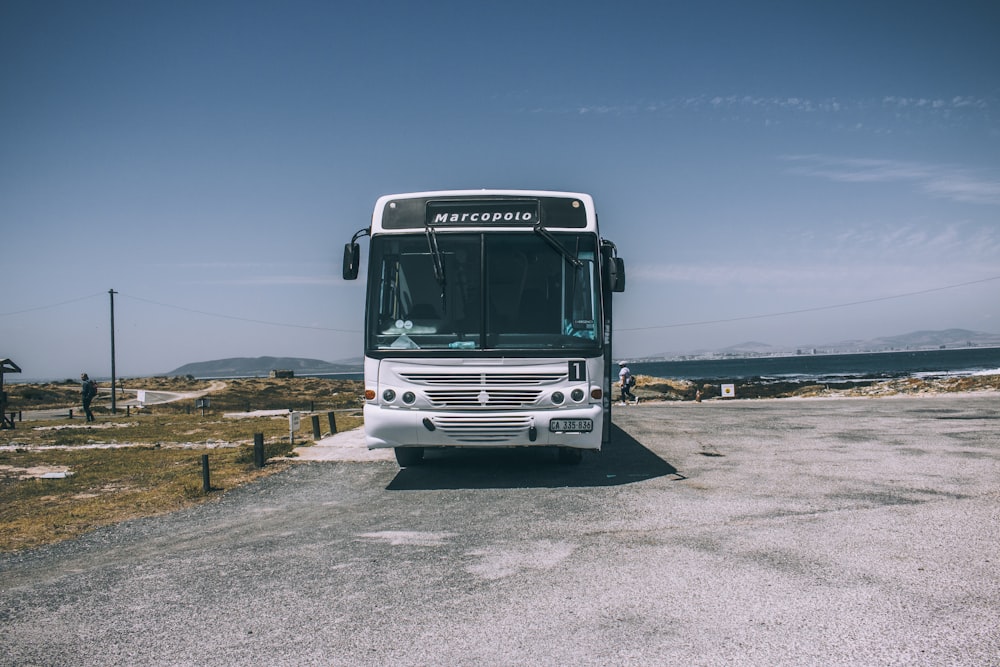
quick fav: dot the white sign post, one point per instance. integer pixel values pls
(294, 419)
(729, 391)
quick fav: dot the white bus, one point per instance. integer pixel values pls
(488, 322)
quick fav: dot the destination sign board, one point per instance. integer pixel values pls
(501, 213)
(487, 211)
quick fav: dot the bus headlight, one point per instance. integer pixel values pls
(388, 396)
(577, 395)
(409, 397)
(557, 397)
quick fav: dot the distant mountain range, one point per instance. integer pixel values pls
(917, 340)
(262, 366)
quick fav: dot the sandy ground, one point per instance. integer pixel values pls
(345, 446)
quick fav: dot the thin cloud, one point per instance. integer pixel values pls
(850, 113)
(828, 277)
(744, 275)
(960, 243)
(943, 181)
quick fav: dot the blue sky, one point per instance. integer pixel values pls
(207, 160)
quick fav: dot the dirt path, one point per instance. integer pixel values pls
(152, 397)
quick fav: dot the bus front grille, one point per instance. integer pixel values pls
(488, 399)
(485, 429)
(488, 378)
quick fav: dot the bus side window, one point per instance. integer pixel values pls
(582, 317)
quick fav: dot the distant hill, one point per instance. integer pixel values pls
(752, 347)
(261, 366)
(916, 340)
(928, 340)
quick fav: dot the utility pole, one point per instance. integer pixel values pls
(114, 380)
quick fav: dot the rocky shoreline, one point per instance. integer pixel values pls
(662, 389)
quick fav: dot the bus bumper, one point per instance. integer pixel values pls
(394, 427)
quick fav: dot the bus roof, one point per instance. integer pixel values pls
(478, 209)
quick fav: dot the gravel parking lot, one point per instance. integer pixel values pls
(777, 532)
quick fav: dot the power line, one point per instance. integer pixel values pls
(51, 305)
(239, 319)
(175, 307)
(810, 310)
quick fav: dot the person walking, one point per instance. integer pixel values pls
(89, 389)
(626, 380)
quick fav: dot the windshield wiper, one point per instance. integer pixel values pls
(559, 247)
(437, 259)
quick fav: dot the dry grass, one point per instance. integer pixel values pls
(106, 486)
(149, 462)
(239, 394)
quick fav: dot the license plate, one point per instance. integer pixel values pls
(571, 425)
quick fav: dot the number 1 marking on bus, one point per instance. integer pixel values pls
(577, 371)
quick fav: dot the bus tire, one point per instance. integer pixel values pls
(570, 455)
(409, 456)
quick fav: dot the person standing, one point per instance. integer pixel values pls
(626, 380)
(89, 389)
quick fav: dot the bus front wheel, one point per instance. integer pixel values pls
(409, 456)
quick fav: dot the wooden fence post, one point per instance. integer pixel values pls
(258, 450)
(206, 483)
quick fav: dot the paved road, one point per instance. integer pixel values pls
(850, 532)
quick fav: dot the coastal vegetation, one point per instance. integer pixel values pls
(62, 477)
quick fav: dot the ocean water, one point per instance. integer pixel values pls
(832, 367)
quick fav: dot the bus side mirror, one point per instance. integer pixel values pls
(352, 260)
(616, 274)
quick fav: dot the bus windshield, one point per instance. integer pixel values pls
(484, 291)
